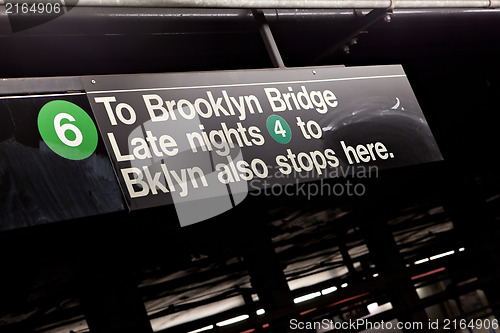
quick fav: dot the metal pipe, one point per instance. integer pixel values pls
(275, 4)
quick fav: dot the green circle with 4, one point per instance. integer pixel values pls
(67, 129)
(279, 129)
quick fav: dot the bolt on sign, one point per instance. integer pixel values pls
(202, 141)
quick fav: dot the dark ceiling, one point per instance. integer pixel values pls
(68, 275)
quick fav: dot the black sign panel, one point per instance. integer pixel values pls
(203, 140)
(44, 180)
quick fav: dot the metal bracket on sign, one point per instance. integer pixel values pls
(267, 37)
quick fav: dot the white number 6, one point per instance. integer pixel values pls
(61, 130)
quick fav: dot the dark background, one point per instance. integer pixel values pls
(116, 272)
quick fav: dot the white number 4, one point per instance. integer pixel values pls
(278, 129)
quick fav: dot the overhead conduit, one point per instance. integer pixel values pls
(276, 4)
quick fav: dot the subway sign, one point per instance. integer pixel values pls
(203, 141)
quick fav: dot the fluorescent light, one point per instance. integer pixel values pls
(462, 249)
(206, 328)
(306, 297)
(375, 275)
(328, 290)
(421, 261)
(260, 312)
(437, 256)
(232, 320)
(344, 285)
(372, 307)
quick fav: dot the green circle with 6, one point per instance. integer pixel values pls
(67, 129)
